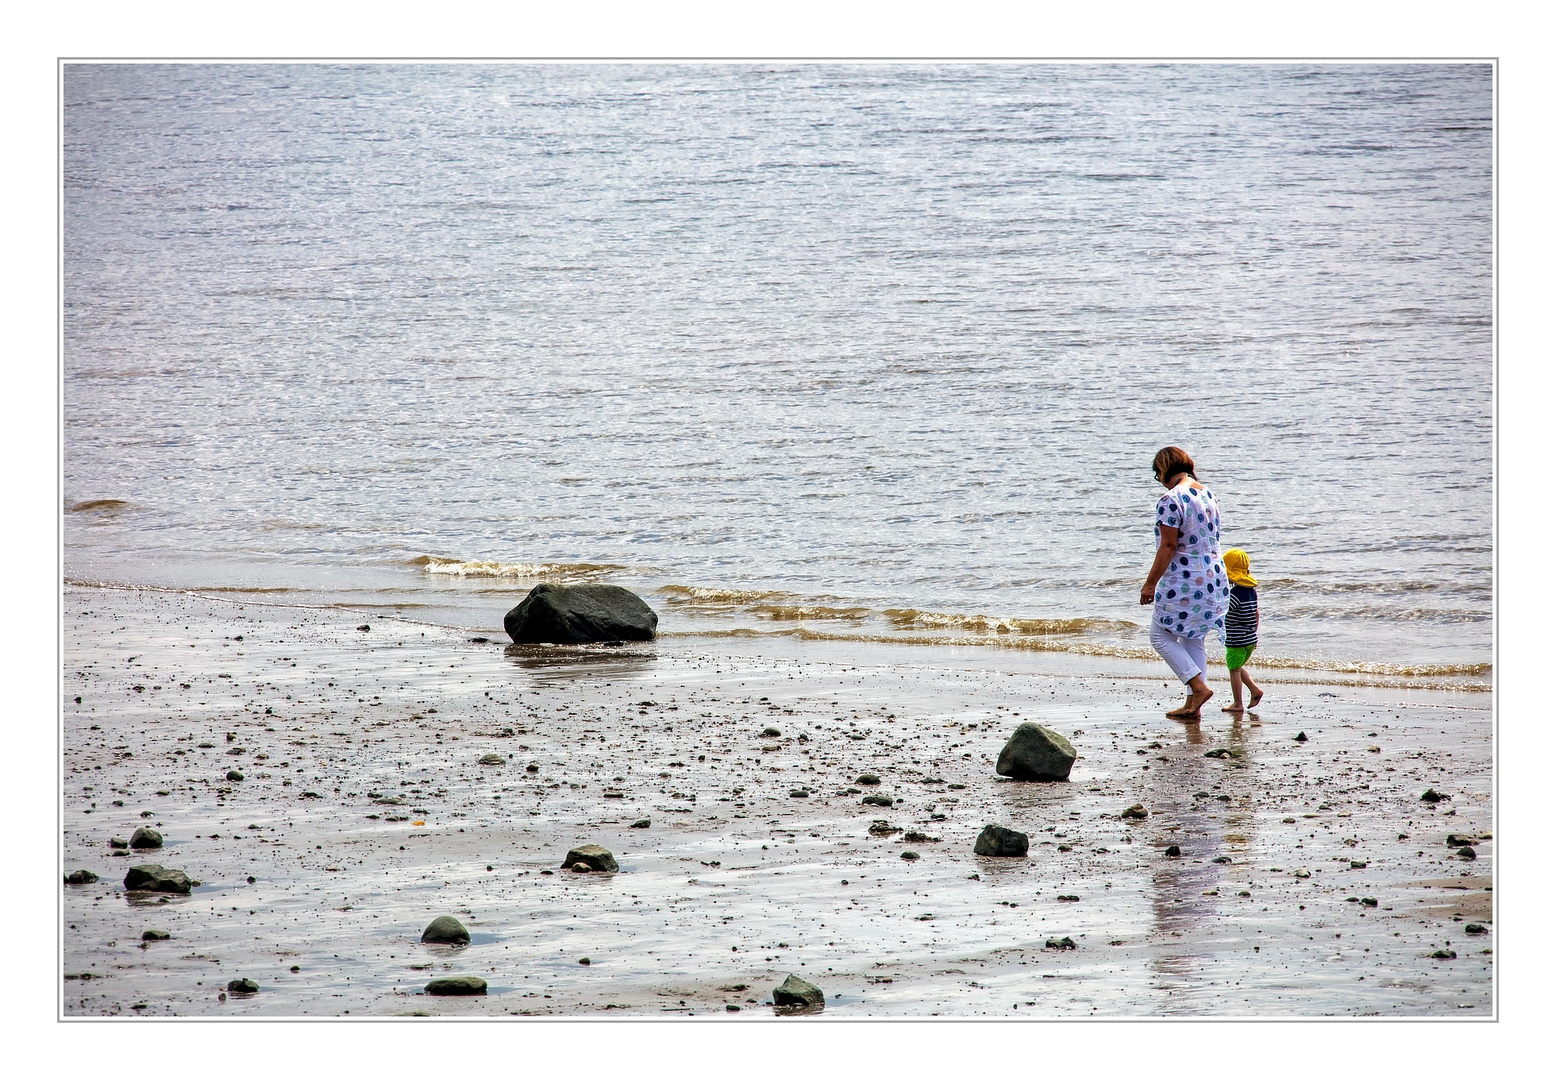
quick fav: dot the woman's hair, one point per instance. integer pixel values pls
(1170, 460)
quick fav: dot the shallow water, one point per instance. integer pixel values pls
(862, 351)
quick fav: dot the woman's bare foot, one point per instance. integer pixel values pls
(1234, 707)
(1191, 707)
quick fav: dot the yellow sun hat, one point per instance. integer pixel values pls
(1236, 560)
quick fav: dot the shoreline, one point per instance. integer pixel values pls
(733, 887)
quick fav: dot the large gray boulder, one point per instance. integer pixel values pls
(796, 992)
(579, 614)
(445, 930)
(150, 877)
(593, 856)
(1036, 753)
(998, 840)
(145, 838)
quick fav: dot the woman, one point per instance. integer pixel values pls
(1187, 581)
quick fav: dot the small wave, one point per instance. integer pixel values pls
(480, 568)
(797, 612)
(97, 506)
(689, 595)
(913, 619)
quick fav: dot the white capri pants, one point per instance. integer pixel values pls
(1185, 655)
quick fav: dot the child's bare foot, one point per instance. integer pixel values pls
(1258, 696)
(1234, 707)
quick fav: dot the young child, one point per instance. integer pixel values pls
(1242, 629)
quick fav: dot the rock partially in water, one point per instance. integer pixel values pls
(155, 935)
(580, 614)
(1455, 840)
(996, 840)
(492, 759)
(593, 856)
(118, 842)
(795, 992)
(445, 930)
(1445, 954)
(150, 877)
(1466, 852)
(1474, 928)
(1035, 752)
(1433, 796)
(640, 823)
(243, 986)
(144, 837)
(876, 800)
(1065, 942)
(456, 986)
(1137, 812)
(80, 877)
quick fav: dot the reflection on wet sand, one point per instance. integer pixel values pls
(1189, 809)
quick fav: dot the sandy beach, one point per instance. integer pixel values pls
(1312, 879)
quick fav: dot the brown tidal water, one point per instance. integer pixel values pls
(736, 882)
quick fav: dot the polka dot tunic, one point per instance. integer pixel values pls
(1192, 596)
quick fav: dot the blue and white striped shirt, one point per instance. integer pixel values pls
(1242, 617)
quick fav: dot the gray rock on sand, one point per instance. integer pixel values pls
(876, 800)
(492, 759)
(593, 856)
(80, 877)
(1036, 753)
(150, 877)
(445, 930)
(1136, 812)
(796, 992)
(1433, 796)
(1466, 852)
(999, 841)
(242, 986)
(234, 774)
(578, 614)
(155, 935)
(867, 779)
(456, 986)
(640, 823)
(145, 838)
(118, 842)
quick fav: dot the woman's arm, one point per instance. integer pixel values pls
(1166, 547)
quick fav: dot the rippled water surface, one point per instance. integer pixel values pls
(860, 351)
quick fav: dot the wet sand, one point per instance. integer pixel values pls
(363, 813)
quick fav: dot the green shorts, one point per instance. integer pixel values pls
(1237, 657)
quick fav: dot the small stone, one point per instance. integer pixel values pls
(1467, 852)
(640, 823)
(998, 841)
(1137, 812)
(1173, 849)
(771, 733)
(731, 1008)
(1065, 942)
(455, 986)
(1455, 840)
(1222, 859)
(1433, 796)
(1302, 873)
(1301, 737)
(879, 827)
(144, 837)
(799, 793)
(1368, 901)
(80, 877)
(876, 800)
(1069, 898)
(243, 986)
(155, 935)
(492, 759)
(795, 992)
(596, 857)
(584, 960)
(867, 779)
(234, 774)
(1357, 864)
(581, 867)
(445, 930)
(910, 855)
(1445, 954)
(364, 628)
(118, 842)
(1220, 752)
(1474, 928)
